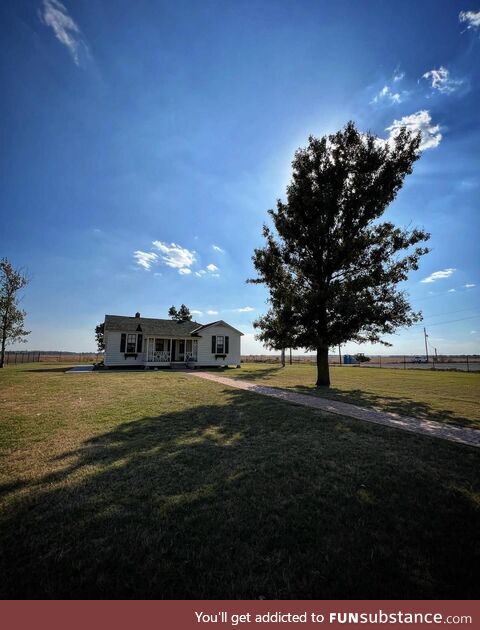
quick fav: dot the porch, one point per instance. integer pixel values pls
(162, 351)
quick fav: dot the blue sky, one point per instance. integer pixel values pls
(143, 142)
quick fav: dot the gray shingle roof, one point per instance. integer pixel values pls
(150, 326)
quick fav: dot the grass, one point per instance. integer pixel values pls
(451, 397)
(161, 485)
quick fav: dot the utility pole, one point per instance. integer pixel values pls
(426, 343)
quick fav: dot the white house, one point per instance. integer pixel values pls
(148, 342)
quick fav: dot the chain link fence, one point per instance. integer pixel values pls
(465, 363)
(13, 358)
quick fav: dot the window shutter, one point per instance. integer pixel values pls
(227, 339)
(139, 343)
(214, 344)
(123, 341)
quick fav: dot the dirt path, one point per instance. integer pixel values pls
(463, 435)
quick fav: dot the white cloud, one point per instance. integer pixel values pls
(442, 81)
(176, 256)
(66, 30)
(218, 249)
(195, 312)
(200, 273)
(210, 312)
(439, 275)
(452, 290)
(469, 286)
(398, 76)
(211, 267)
(420, 121)
(244, 309)
(145, 259)
(386, 94)
(473, 332)
(471, 18)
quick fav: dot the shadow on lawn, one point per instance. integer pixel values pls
(400, 406)
(248, 500)
(391, 404)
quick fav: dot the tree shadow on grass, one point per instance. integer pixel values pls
(246, 500)
(390, 404)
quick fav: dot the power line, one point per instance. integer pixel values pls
(451, 321)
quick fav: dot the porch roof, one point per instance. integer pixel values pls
(151, 326)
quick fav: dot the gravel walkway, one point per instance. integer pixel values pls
(464, 435)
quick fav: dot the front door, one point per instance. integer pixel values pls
(181, 350)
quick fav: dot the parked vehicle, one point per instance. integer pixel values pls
(419, 360)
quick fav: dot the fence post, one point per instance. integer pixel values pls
(468, 365)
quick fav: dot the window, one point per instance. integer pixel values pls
(220, 344)
(131, 343)
(159, 345)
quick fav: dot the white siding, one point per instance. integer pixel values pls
(113, 356)
(205, 355)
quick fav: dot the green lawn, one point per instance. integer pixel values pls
(452, 397)
(162, 485)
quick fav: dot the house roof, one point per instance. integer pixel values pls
(150, 326)
(220, 322)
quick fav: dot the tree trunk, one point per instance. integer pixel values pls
(2, 354)
(323, 374)
(282, 357)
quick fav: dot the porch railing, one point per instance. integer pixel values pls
(190, 356)
(160, 356)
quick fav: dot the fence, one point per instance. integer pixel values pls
(465, 363)
(12, 358)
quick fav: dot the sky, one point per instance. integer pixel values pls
(143, 143)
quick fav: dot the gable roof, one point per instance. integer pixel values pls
(220, 322)
(150, 326)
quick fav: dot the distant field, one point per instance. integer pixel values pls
(162, 485)
(452, 397)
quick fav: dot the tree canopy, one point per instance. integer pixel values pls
(181, 315)
(331, 266)
(100, 336)
(12, 318)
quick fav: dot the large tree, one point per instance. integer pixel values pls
(329, 262)
(12, 318)
(181, 315)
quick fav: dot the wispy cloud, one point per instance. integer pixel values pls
(387, 95)
(419, 121)
(439, 275)
(470, 18)
(218, 249)
(145, 259)
(176, 256)
(398, 75)
(452, 290)
(195, 312)
(211, 270)
(469, 286)
(210, 312)
(55, 15)
(244, 309)
(441, 80)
